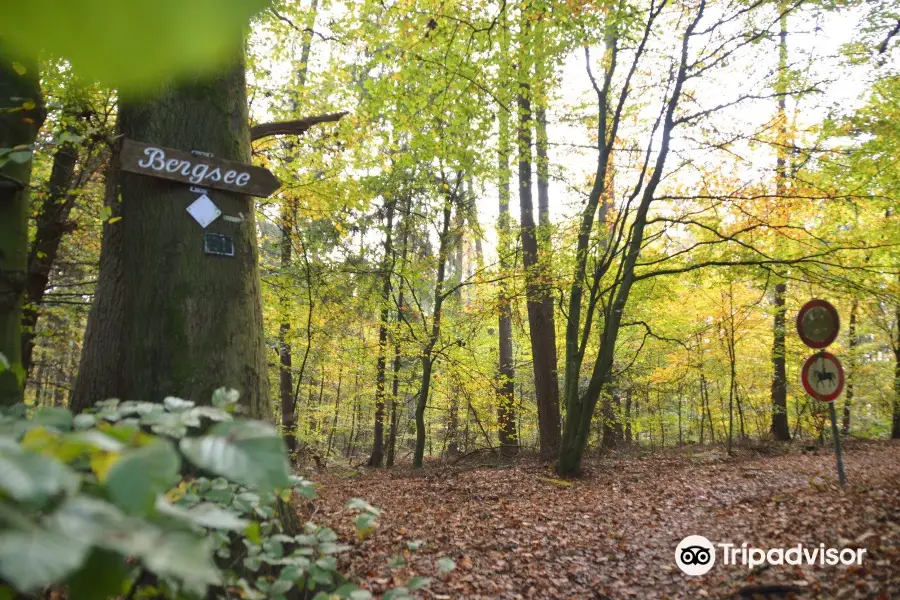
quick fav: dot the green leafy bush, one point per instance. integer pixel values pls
(157, 500)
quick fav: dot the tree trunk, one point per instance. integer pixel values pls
(288, 212)
(395, 384)
(895, 429)
(377, 457)
(780, 430)
(428, 357)
(52, 224)
(99, 371)
(19, 88)
(506, 390)
(540, 304)
(191, 322)
(851, 362)
(581, 407)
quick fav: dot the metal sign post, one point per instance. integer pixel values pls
(822, 374)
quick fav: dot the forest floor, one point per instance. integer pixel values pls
(518, 532)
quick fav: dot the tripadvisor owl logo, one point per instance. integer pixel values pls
(695, 555)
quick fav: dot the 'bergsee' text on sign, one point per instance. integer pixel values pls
(212, 172)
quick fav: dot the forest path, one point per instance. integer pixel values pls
(518, 533)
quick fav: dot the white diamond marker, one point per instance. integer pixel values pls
(204, 211)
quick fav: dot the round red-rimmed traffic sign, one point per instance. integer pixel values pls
(823, 376)
(818, 324)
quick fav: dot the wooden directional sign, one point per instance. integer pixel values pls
(203, 171)
(818, 324)
(823, 376)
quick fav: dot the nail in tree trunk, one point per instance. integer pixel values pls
(376, 459)
(21, 116)
(540, 306)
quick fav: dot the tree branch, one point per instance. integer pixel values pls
(295, 127)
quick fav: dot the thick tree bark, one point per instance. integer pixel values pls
(851, 362)
(540, 305)
(99, 370)
(376, 459)
(191, 322)
(21, 116)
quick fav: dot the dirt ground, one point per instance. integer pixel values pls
(519, 532)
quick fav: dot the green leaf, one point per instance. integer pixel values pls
(224, 397)
(132, 45)
(397, 562)
(247, 452)
(365, 522)
(84, 421)
(205, 515)
(184, 556)
(445, 565)
(19, 156)
(142, 474)
(174, 404)
(360, 504)
(54, 416)
(400, 593)
(35, 558)
(34, 478)
(327, 563)
(417, 583)
(100, 577)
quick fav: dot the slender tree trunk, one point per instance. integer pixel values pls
(780, 429)
(192, 322)
(895, 429)
(851, 361)
(19, 126)
(395, 398)
(581, 407)
(540, 305)
(337, 405)
(506, 411)
(52, 224)
(428, 352)
(395, 385)
(376, 459)
(288, 212)
(628, 415)
(285, 358)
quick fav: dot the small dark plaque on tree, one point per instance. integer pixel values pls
(219, 244)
